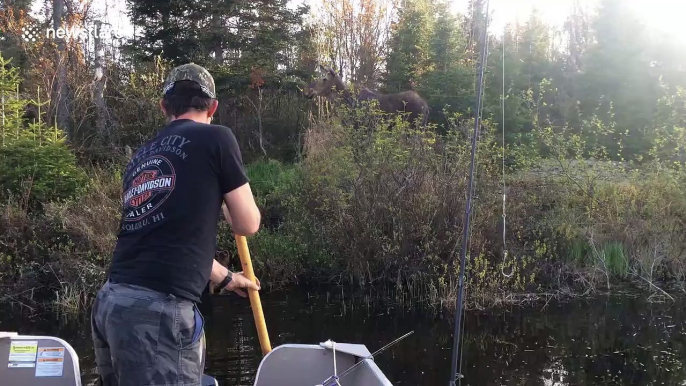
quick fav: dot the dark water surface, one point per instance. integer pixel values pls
(616, 340)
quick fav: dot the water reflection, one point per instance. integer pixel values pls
(617, 340)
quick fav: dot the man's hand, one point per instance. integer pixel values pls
(239, 283)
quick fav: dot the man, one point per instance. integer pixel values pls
(147, 329)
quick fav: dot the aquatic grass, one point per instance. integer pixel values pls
(615, 259)
(578, 252)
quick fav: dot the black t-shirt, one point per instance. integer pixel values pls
(172, 194)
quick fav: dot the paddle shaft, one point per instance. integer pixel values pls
(255, 303)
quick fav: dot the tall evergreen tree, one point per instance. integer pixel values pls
(256, 33)
(410, 45)
(447, 41)
(617, 83)
(449, 79)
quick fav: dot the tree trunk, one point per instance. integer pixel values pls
(99, 88)
(217, 44)
(61, 109)
(259, 124)
(2, 113)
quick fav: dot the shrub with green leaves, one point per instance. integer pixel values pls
(40, 173)
(387, 200)
(35, 162)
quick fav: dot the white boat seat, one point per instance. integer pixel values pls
(310, 365)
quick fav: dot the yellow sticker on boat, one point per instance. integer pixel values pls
(23, 351)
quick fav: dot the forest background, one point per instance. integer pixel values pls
(590, 116)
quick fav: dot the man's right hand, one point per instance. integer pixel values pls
(239, 283)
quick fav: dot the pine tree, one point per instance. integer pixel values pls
(447, 41)
(256, 33)
(617, 83)
(449, 79)
(410, 45)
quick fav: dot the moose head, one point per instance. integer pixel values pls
(330, 85)
(324, 86)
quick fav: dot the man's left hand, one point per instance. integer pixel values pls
(239, 284)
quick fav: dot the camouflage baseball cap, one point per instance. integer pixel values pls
(192, 72)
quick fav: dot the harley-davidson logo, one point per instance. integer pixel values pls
(147, 175)
(149, 186)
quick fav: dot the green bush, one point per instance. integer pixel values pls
(387, 201)
(39, 173)
(268, 179)
(58, 256)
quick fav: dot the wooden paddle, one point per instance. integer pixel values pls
(255, 303)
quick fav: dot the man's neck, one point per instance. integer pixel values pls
(197, 116)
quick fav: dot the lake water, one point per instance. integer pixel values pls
(615, 340)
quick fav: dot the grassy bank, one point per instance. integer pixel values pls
(383, 209)
(378, 207)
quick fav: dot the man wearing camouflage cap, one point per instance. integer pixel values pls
(147, 329)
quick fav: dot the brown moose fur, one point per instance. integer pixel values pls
(223, 258)
(404, 102)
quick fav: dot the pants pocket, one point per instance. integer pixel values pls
(191, 344)
(190, 325)
(133, 334)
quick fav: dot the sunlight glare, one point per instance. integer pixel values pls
(667, 16)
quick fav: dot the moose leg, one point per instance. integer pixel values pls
(223, 258)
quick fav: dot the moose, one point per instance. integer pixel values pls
(409, 102)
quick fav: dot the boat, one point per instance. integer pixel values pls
(32, 360)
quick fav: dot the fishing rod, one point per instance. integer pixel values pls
(331, 345)
(455, 375)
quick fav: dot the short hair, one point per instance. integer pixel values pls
(184, 96)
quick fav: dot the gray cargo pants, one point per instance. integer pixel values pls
(145, 337)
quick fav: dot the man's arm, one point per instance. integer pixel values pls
(227, 215)
(233, 182)
(218, 273)
(243, 214)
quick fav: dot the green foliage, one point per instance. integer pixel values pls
(614, 86)
(286, 248)
(58, 256)
(619, 75)
(579, 252)
(35, 162)
(669, 129)
(614, 259)
(40, 173)
(387, 200)
(270, 178)
(594, 123)
(137, 108)
(615, 217)
(280, 255)
(209, 32)
(11, 102)
(410, 45)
